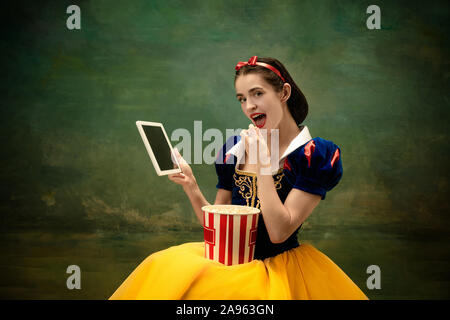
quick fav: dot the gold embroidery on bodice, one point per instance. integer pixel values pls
(246, 182)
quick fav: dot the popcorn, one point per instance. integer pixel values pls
(230, 209)
(230, 233)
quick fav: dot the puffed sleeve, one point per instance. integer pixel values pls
(316, 167)
(225, 165)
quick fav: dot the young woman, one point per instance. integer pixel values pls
(286, 188)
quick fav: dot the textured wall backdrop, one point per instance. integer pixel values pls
(73, 163)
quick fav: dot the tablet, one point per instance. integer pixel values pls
(158, 147)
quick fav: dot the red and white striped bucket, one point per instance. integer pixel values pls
(230, 233)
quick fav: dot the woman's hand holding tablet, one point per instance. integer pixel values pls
(158, 147)
(186, 178)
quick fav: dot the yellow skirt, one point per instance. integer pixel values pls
(182, 272)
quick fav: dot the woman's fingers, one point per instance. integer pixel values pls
(255, 144)
(178, 155)
(176, 175)
(177, 179)
(251, 131)
(184, 166)
(243, 135)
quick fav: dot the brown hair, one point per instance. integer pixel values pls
(297, 104)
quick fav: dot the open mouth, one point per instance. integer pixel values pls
(259, 119)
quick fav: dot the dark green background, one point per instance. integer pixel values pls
(77, 186)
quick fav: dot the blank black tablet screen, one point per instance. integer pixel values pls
(160, 148)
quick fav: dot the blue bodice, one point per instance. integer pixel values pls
(314, 166)
(244, 193)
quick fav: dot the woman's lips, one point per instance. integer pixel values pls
(259, 122)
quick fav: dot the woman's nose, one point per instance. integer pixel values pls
(250, 105)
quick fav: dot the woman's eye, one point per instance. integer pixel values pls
(258, 94)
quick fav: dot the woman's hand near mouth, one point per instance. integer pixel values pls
(256, 147)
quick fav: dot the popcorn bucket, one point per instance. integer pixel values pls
(230, 233)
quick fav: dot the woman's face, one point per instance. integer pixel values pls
(259, 101)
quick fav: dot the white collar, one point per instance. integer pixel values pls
(303, 137)
(238, 150)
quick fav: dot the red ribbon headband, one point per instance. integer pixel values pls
(252, 62)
